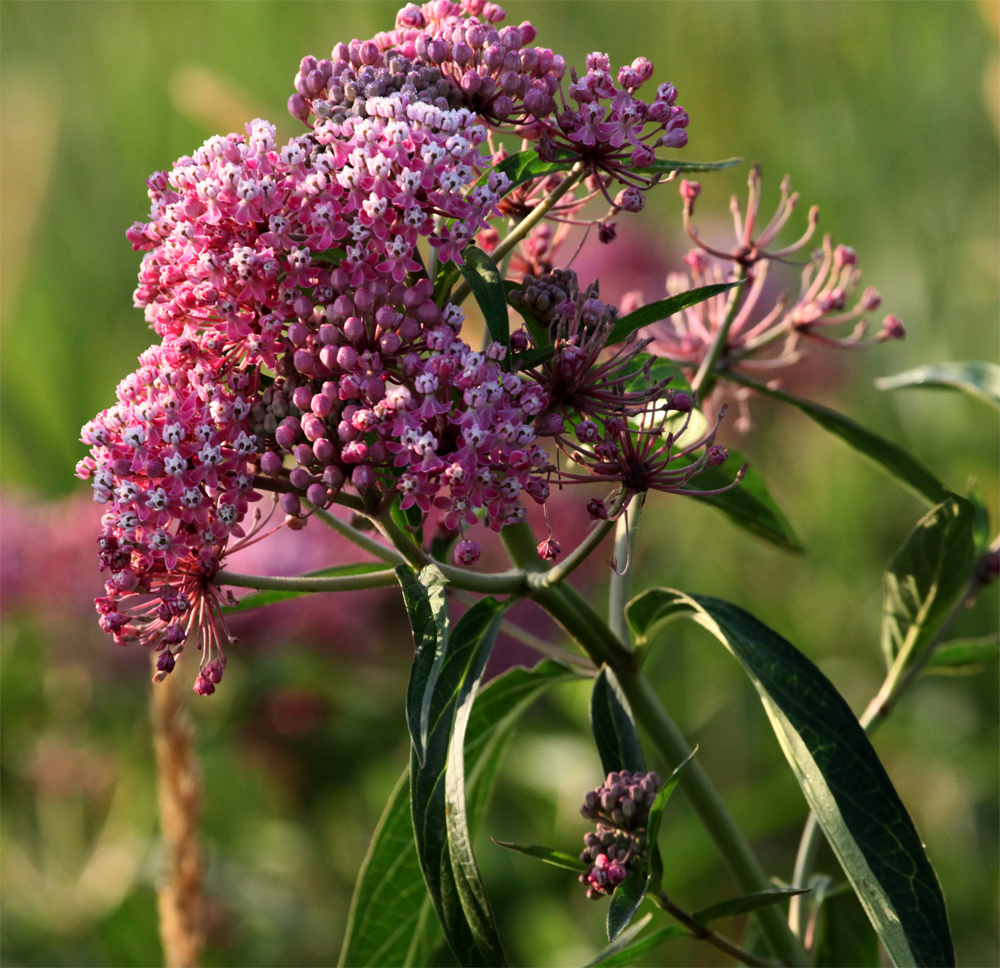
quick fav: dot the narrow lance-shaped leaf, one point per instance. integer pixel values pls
(614, 728)
(427, 609)
(554, 857)
(845, 936)
(625, 902)
(618, 955)
(391, 922)
(746, 903)
(486, 283)
(438, 794)
(668, 165)
(664, 308)
(964, 657)
(928, 577)
(847, 787)
(889, 456)
(978, 378)
(655, 818)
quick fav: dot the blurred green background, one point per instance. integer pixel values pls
(885, 115)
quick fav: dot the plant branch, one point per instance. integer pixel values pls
(380, 551)
(525, 226)
(305, 583)
(704, 379)
(707, 934)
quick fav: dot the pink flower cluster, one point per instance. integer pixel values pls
(171, 461)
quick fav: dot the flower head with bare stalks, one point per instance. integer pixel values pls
(754, 334)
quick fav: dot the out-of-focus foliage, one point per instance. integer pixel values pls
(876, 109)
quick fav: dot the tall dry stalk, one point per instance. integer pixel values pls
(181, 899)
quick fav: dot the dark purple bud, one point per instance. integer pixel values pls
(503, 106)
(270, 462)
(333, 476)
(716, 455)
(300, 477)
(317, 495)
(166, 662)
(597, 509)
(291, 504)
(324, 450)
(892, 328)
(204, 686)
(362, 476)
(549, 425)
(844, 255)
(437, 50)
(681, 402)
(466, 552)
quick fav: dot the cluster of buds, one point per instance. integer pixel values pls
(620, 806)
(542, 296)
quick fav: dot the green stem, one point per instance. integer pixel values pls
(333, 583)
(704, 379)
(525, 226)
(707, 934)
(380, 551)
(621, 574)
(584, 549)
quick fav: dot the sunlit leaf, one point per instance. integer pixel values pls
(927, 577)
(614, 728)
(663, 308)
(620, 955)
(978, 378)
(427, 610)
(847, 787)
(889, 456)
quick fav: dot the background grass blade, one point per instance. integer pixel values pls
(857, 806)
(614, 728)
(978, 378)
(889, 456)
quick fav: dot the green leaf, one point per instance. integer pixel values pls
(655, 817)
(614, 728)
(964, 657)
(663, 308)
(981, 525)
(527, 165)
(484, 280)
(844, 934)
(268, 596)
(626, 950)
(927, 577)
(749, 505)
(889, 456)
(531, 358)
(746, 903)
(438, 794)
(669, 165)
(980, 379)
(427, 609)
(625, 902)
(847, 787)
(409, 521)
(660, 369)
(554, 857)
(392, 922)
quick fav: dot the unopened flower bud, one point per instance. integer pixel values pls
(466, 552)
(631, 199)
(892, 328)
(689, 191)
(716, 455)
(681, 402)
(549, 549)
(291, 504)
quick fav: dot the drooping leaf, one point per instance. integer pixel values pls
(857, 806)
(614, 728)
(554, 857)
(438, 794)
(625, 902)
(392, 922)
(486, 283)
(845, 936)
(668, 165)
(889, 456)
(964, 657)
(663, 308)
(749, 505)
(978, 378)
(268, 596)
(746, 903)
(927, 577)
(427, 609)
(627, 948)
